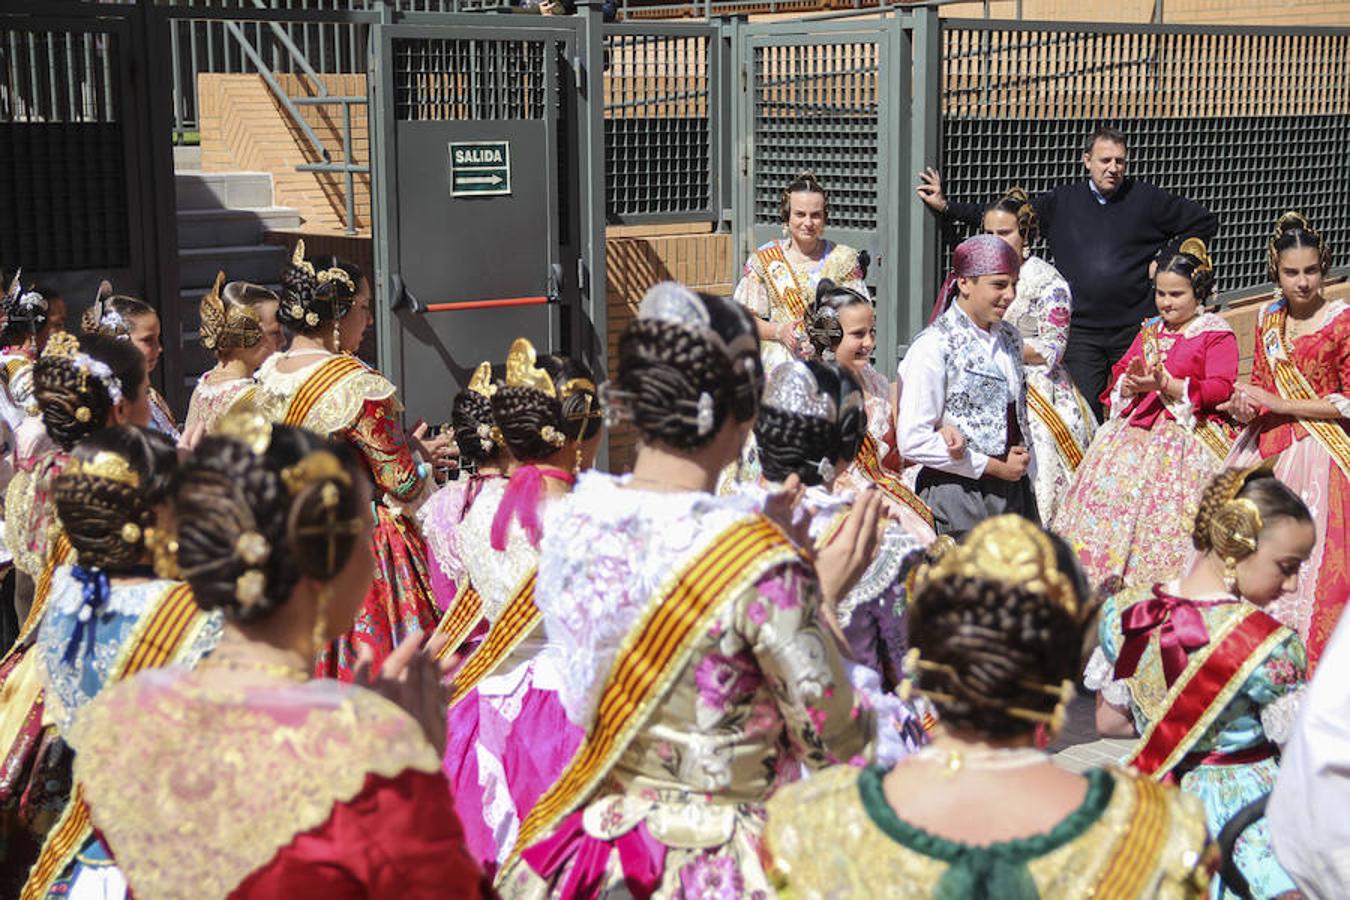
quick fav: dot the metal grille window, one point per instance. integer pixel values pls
(817, 108)
(60, 111)
(1246, 123)
(658, 130)
(457, 80)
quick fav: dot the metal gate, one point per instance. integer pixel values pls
(841, 99)
(489, 224)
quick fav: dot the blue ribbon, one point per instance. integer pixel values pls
(96, 590)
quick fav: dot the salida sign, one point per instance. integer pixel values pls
(479, 168)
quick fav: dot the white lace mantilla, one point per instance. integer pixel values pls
(606, 551)
(495, 575)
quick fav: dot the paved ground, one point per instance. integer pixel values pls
(1079, 748)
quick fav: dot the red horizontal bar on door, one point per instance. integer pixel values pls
(487, 304)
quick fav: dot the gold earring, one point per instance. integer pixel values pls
(1230, 574)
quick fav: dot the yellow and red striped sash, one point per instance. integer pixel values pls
(652, 657)
(1293, 385)
(1041, 407)
(1214, 438)
(60, 553)
(329, 373)
(1199, 695)
(1133, 864)
(158, 639)
(518, 618)
(459, 620)
(782, 281)
(869, 462)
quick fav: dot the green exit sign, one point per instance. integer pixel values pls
(480, 168)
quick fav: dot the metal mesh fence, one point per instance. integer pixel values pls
(658, 127)
(457, 80)
(816, 106)
(1248, 124)
(60, 124)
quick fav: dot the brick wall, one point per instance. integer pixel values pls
(244, 128)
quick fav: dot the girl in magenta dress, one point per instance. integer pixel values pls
(509, 737)
(1139, 485)
(481, 450)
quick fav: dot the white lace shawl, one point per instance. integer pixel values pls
(606, 550)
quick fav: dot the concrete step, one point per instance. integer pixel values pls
(223, 190)
(232, 227)
(261, 263)
(185, 158)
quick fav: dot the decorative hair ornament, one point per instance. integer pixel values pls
(164, 547)
(1195, 248)
(1236, 524)
(705, 414)
(481, 383)
(252, 548)
(317, 466)
(552, 436)
(335, 273)
(248, 426)
(240, 326)
(131, 533)
(1007, 549)
(101, 318)
(250, 587)
(523, 372)
(62, 344)
(106, 465)
(792, 388)
(826, 470)
(1283, 225)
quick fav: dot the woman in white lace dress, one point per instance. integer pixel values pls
(1062, 423)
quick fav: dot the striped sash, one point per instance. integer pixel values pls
(869, 462)
(653, 656)
(1210, 435)
(518, 618)
(158, 639)
(1293, 385)
(1041, 407)
(1133, 863)
(1199, 695)
(459, 620)
(60, 553)
(329, 373)
(782, 281)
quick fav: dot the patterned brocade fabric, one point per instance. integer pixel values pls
(835, 836)
(183, 777)
(211, 399)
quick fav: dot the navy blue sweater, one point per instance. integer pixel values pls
(1104, 249)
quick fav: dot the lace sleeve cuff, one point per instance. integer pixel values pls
(1342, 404)
(1100, 675)
(1278, 718)
(1183, 410)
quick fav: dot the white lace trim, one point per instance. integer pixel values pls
(1100, 676)
(606, 550)
(495, 574)
(896, 543)
(1279, 718)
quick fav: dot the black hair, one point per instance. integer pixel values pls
(95, 511)
(665, 368)
(822, 323)
(1001, 642)
(25, 320)
(1293, 230)
(792, 442)
(1192, 263)
(225, 490)
(127, 307)
(62, 389)
(1017, 204)
(805, 183)
(523, 414)
(472, 423)
(309, 302)
(1273, 498)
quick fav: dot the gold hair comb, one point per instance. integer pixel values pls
(521, 370)
(106, 465)
(1196, 248)
(320, 465)
(248, 425)
(481, 382)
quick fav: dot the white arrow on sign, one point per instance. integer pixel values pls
(480, 179)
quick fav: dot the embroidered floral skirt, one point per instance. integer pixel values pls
(1133, 502)
(1324, 580)
(398, 604)
(508, 741)
(1225, 790)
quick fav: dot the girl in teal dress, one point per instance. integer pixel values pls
(1209, 681)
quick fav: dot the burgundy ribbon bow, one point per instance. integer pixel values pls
(641, 857)
(1180, 627)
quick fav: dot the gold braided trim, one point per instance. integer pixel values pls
(869, 462)
(652, 657)
(62, 552)
(158, 640)
(517, 619)
(1214, 439)
(1292, 385)
(1045, 411)
(1133, 863)
(777, 274)
(459, 620)
(183, 779)
(329, 373)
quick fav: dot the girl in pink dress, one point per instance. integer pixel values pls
(483, 458)
(1139, 485)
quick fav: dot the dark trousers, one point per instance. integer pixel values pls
(959, 503)
(1089, 356)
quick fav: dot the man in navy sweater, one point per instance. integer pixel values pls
(1103, 234)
